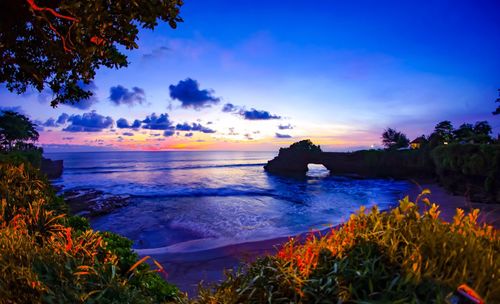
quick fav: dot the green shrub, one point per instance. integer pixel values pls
(47, 257)
(469, 169)
(17, 157)
(400, 256)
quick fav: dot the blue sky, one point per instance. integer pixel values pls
(338, 72)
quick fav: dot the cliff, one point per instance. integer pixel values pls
(52, 168)
(371, 163)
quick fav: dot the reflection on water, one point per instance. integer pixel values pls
(195, 200)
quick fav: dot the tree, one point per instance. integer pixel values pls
(464, 133)
(444, 131)
(393, 139)
(16, 131)
(497, 111)
(305, 145)
(482, 132)
(60, 44)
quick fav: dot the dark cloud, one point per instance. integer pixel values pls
(285, 127)
(168, 133)
(128, 134)
(254, 114)
(209, 123)
(230, 108)
(190, 134)
(38, 125)
(121, 95)
(68, 138)
(85, 104)
(189, 94)
(156, 53)
(248, 136)
(61, 120)
(88, 122)
(155, 122)
(278, 135)
(51, 122)
(122, 123)
(193, 127)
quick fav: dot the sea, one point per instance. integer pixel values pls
(189, 201)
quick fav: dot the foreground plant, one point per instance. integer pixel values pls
(48, 257)
(400, 256)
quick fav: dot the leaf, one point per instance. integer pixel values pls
(138, 263)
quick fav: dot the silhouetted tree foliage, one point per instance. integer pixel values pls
(482, 132)
(444, 130)
(464, 133)
(393, 139)
(16, 131)
(60, 44)
(479, 133)
(306, 145)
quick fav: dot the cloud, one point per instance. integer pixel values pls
(85, 104)
(285, 127)
(61, 120)
(231, 132)
(254, 114)
(230, 108)
(122, 123)
(278, 135)
(16, 109)
(155, 122)
(51, 122)
(193, 127)
(190, 134)
(189, 94)
(251, 114)
(38, 125)
(168, 133)
(121, 95)
(248, 136)
(88, 122)
(68, 138)
(156, 53)
(128, 134)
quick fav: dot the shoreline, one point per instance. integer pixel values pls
(187, 269)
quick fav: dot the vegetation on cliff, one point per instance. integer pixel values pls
(468, 169)
(399, 256)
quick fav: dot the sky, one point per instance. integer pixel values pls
(259, 75)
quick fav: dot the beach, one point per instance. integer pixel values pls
(187, 269)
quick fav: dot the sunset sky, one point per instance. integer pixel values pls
(257, 75)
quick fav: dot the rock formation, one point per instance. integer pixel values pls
(52, 168)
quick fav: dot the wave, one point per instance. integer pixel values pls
(95, 170)
(207, 192)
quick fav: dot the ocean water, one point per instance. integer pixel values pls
(189, 201)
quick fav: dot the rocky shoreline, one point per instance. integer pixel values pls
(91, 203)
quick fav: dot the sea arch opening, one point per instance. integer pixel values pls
(317, 170)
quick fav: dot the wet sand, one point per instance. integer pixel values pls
(187, 269)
